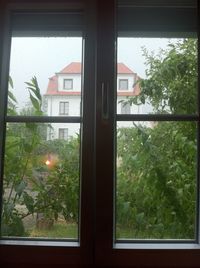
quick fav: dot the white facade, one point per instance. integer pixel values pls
(53, 106)
(63, 98)
(76, 81)
(131, 80)
(53, 109)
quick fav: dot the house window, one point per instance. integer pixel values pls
(68, 84)
(125, 108)
(63, 133)
(123, 84)
(64, 108)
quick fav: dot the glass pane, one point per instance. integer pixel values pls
(55, 63)
(157, 75)
(156, 180)
(41, 180)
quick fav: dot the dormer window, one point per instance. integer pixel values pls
(123, 84)
(68, 84)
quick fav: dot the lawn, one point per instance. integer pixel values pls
(59, 230)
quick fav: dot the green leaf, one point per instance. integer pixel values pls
(28, 147)
(35, 102)
(29, 202)
(10, 81)
(20, 188)
(12, 97)
(33, 86)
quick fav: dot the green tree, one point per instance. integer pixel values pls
(156, 178)
(21, 141)
(171, 84)
(30, 186)
(58, 191)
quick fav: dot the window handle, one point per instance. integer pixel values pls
(105, 100)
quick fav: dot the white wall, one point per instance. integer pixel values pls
(73, 130)
(131, 80)
(52, 107)
(135, 109)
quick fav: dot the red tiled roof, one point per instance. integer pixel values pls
(72, 68)
(62, 93)
(53, 84)
(123, 69)
(75, 68)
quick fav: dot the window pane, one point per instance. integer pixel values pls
(55, 62)
(41, 180)
(123, 84)
(63, 133)
(157, 75)
(156, 180)
(68, 84)
(64, 108)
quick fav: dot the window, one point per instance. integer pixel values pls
(63, 133)
(68, 84)
(123, 84)
(132, 173)
(35, 127)
(125, 108)
(64, 108)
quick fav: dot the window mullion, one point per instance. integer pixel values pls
(4, 66)
(87, 206)
(105, 129)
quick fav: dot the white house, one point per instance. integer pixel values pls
(63, 97)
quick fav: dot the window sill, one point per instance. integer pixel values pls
(39, 243)
(156, 246)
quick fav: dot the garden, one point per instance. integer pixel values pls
(156, 178)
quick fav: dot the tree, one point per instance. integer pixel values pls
(156, 178)
(21, 139)
(30, 186)
(171, 84)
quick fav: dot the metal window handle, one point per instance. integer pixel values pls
(105, 100)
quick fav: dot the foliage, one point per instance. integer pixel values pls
(21, 139)
(58, 190)
(31, 187)
(156, 175)
(11, 110)
(156, 178)
(156, 185)
(171, 84)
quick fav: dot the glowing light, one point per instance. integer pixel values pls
(47, 162)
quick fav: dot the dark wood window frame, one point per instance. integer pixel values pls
(96, 247)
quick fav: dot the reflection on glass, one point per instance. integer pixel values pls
(157, 75)
(55, 62)
(156, 180)
(41, 180)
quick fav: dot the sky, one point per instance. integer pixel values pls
(44, 56)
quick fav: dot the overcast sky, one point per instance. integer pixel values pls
(43, 57)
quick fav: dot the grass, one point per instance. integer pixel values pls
(63, 230)
(154, 233)
(59, 230)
